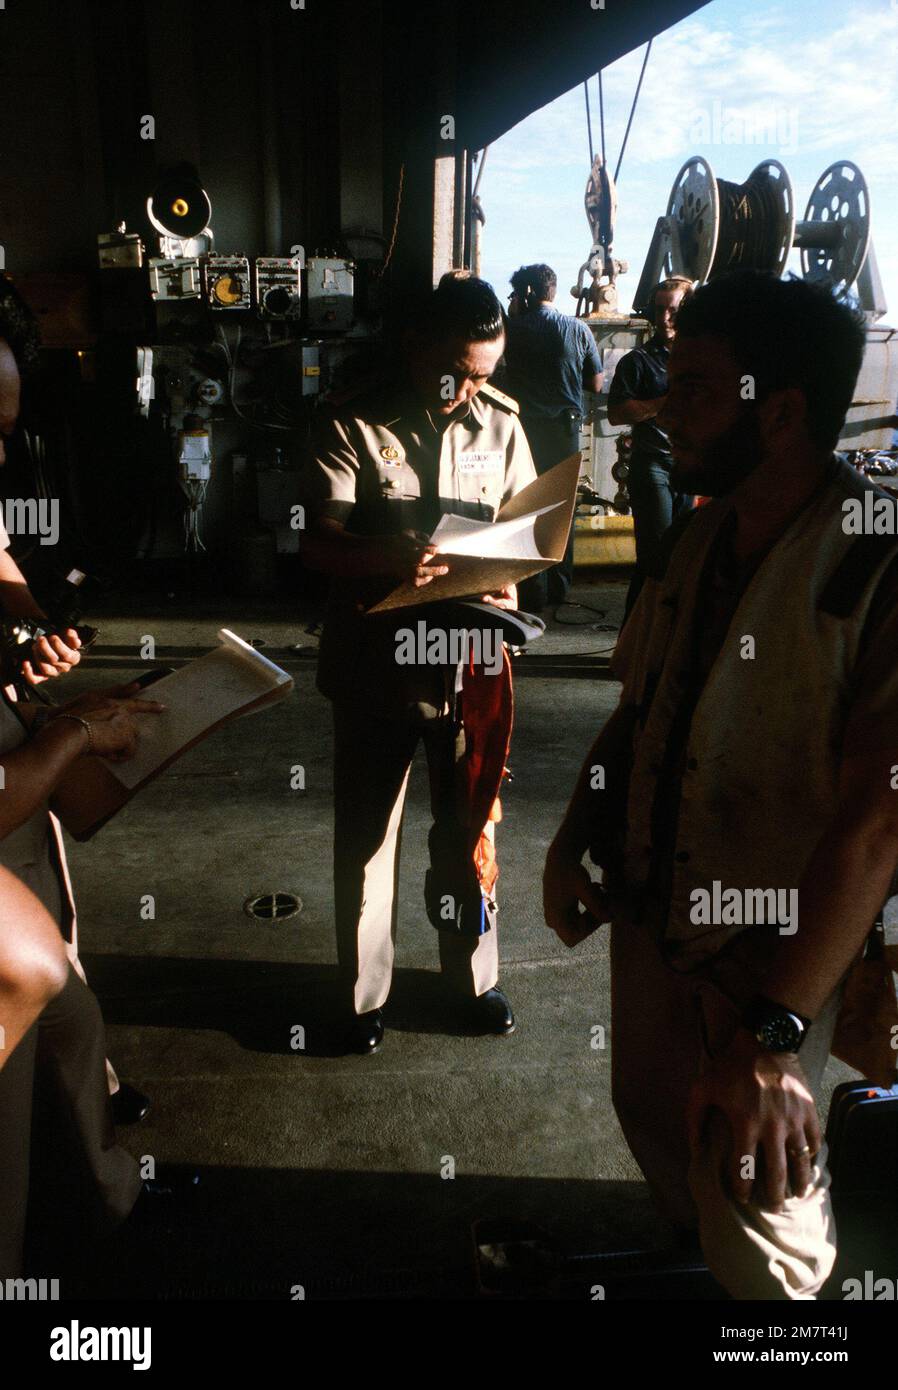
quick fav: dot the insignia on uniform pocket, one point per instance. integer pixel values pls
(389, 454)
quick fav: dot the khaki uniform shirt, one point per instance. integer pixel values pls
(381, 466)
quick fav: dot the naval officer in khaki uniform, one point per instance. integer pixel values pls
(389, 461)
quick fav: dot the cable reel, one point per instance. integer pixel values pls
(724, 226)
(834, 237)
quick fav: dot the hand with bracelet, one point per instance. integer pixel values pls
(105, 723)
(108, 717)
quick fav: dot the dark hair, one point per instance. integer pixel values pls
(460, 308)
(533, 283)
(784, 333)
(671, 283)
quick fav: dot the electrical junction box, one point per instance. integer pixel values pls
(175, 279)
(226, 282)
(278, 286)
(120, 250)
(330, 286)
(195, 455)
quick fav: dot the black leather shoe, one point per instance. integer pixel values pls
(166, 1193)
(170, 1180)
(366, 1032)
(491, 1012)
(129, 1105)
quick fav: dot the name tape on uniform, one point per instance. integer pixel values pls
(485, 461)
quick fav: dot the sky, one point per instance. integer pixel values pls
(806, 82)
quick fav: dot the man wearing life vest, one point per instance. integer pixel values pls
(747, 821)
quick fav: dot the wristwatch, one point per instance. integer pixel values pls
(776, 1028)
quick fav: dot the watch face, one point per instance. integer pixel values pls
(781, 1033)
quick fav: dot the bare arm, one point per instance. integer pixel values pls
(16, 599)
(765, 1096)
(843, 887)
(32, 770)
(566, 882)
(50, 656)
(576, 830)
(632, 412)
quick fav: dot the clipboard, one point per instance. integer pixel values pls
(232, 681)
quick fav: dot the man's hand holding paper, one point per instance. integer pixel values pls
(408, 558)
(503, 598)
(488, 558)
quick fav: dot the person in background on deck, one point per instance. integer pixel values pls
(636, 397)
(550, 359)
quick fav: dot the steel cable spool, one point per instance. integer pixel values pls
(757, 220)
(729, 226)
(834, 237)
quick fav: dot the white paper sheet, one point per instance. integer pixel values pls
(491, 540)
(198, 696)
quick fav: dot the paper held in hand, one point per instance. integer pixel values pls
(529, 534)
(203, 695)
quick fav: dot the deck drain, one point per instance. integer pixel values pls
(273, 907)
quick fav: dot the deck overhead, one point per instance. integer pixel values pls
(517, 55)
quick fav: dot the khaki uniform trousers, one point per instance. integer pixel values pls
(66, 1049)
(372, 761)
(666, 1027)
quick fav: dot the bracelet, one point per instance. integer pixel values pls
(76, 719)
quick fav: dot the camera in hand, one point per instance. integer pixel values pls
(18, 635)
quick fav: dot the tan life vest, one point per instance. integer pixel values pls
(762, 759)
